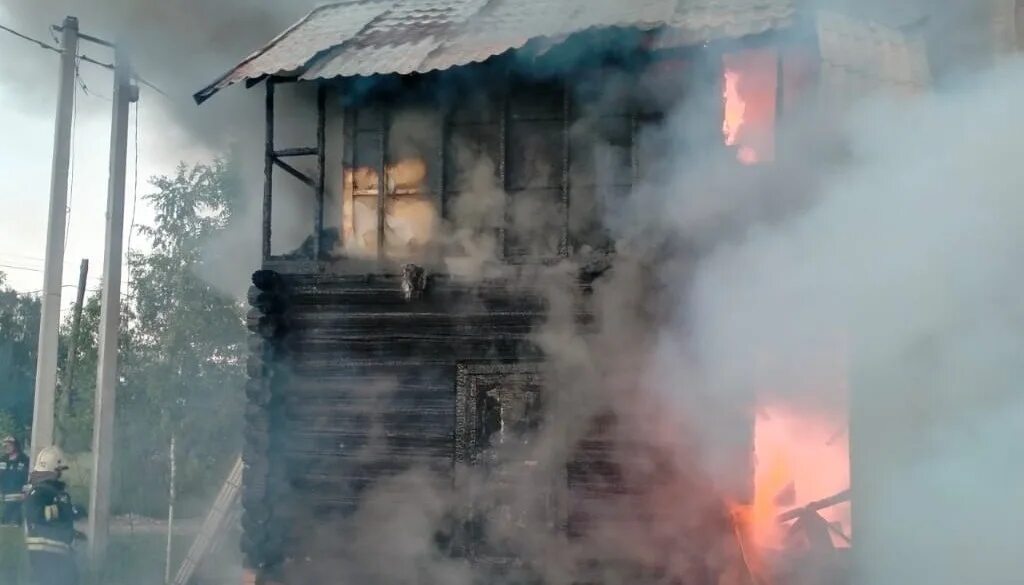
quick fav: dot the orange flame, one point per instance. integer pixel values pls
(735, 108)
(799, 460)
(750, 82)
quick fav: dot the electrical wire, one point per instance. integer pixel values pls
(85, 58)
(30, 39)
(21, 256)
(13, 267)
(85, 90)
(71, 167)
(135, 197)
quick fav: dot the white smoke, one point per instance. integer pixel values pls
(911, 251)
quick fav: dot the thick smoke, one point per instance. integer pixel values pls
(179, 46)
(903, 255)
(891, 234)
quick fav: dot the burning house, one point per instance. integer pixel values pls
(448, 158)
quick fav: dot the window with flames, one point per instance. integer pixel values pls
(757, 86)
(519, 168)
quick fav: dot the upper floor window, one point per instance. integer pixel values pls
(515, 171)
(749, 90)
(388, 203)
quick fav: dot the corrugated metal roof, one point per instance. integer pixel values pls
(370, 37)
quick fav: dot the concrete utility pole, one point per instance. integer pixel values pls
(53, 273)
(125, 92)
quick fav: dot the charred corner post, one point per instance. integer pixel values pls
(379, 323)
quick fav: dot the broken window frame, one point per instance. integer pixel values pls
(385, 166)
(276, 158)
(470, 449)
(440, 186)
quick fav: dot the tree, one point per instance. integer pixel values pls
(184, 349)
(74, 418)
(19, 334)
(181, 353)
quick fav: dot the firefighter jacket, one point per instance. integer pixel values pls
(13, 477)
(49, 518)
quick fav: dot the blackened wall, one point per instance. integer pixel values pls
(352, 381)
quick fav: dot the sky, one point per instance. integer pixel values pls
(161, 134)
(25, 163)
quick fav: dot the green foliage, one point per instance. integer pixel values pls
(74, 423)
(184, 369)
(8, 425)
(19, 332)
(181, 355)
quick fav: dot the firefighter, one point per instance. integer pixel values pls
(49, 522)
(13, 477)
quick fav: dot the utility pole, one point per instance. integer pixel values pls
(68, 405)
(125, 92)
(46, 363)
(171, 496)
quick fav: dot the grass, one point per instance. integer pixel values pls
(13, 563)
(131, 559)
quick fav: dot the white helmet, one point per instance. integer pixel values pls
(50, 459)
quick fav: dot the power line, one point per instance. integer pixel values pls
(22, 259)
(71, 167)
(26, 268)
(24, 256)
(30, 39)
(86, 90)
(35, 292)
(85, 58)
(135, 195)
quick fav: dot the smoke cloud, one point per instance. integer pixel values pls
(890, 236)
(901, 254)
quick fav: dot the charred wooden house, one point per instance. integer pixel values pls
(447, 137)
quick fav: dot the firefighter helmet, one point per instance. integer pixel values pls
(50, 459)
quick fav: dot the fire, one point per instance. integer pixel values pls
(735, 108)
(410, 215)
(749, 93)
(799, 459)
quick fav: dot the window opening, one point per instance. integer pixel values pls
(749, 90)
(398, 146)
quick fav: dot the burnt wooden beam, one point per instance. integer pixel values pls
(564, 243)
(300, 151)
(504, 114)
(250, 83)
(382, 183)
(267, 280)
(634, 149)
(442, 156)
(321, 168)
(302, 177)
(840, 498)
(349, 159)
(266, 487)
(268, 170)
